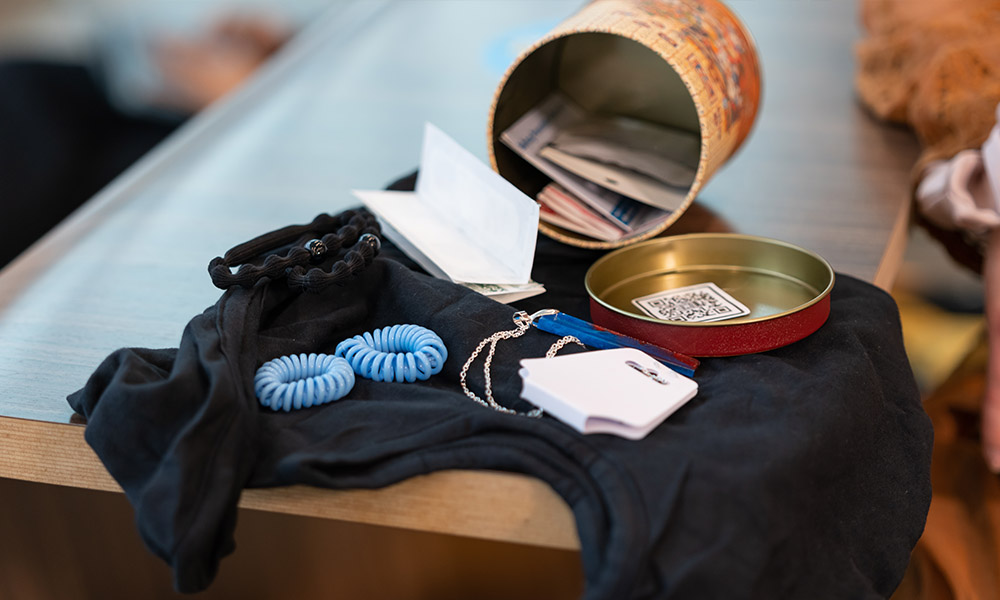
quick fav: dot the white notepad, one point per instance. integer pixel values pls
(624, 392)
(464, 222)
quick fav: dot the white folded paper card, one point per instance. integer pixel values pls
(464, 222)
(624, 392)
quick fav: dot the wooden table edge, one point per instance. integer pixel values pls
(895, 250)
(489, 505)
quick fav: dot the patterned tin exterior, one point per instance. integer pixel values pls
(705, 44)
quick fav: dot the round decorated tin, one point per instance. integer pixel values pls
(686, 64)
(785, 290)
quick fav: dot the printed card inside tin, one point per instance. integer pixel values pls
(698, 303)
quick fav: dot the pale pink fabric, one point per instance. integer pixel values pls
(963, 193)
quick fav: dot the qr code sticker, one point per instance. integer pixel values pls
(699, 303)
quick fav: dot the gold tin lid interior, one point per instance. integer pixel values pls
(604, 73)
(769, 277)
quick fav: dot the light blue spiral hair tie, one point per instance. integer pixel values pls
(302, 380)
(398, 353)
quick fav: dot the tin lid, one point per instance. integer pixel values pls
(784, 288)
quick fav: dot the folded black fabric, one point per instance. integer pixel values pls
(797, 473)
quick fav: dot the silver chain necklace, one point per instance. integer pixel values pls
(523, 322)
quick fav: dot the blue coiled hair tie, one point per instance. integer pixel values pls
(302, 380)
(398, 353)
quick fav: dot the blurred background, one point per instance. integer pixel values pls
(127, 43)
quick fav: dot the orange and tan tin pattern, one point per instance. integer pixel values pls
(706, 45)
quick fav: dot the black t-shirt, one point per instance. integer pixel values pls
(802, 472)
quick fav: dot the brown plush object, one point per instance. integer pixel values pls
(934, 65)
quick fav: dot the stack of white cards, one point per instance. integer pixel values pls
(611, 176)
(623, 392)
